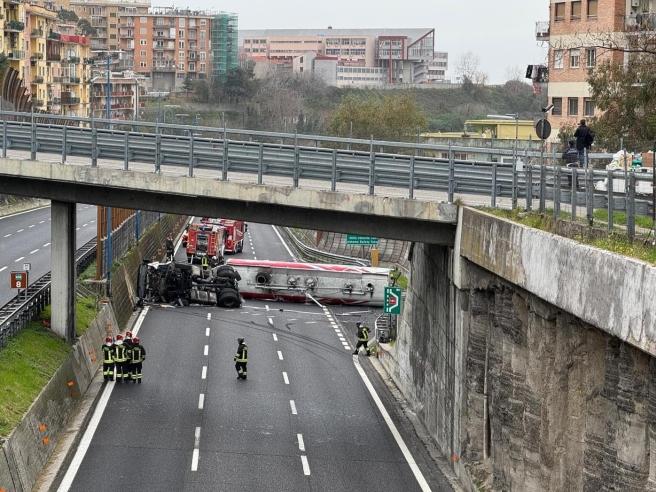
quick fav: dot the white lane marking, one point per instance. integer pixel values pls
(45, 245)
(209, 316)
(206, 350)
(24, 212)
(334, 325)
(77, 228)
(282, 241)
(203, 374)
(266, 306)
(292, 404)
(41, 221)
(19, 259)
(84, 225)
(270, 320)
(306, 465)
(285, 377)
(7, 235)
(19, 230)
(347, 347)
(310, 322)
(275, 337)
(392, 427)
(280, 354)
(255, 257)
(92, 221)
(3, 269)
(197, 437)
(342, 339)
(85, 442)
(301, 444)
(201, 401)
(30, 226)
(207, 331)
(338, 331)
(194, 460)
(34, 251)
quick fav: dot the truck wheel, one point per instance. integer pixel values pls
(229, 298)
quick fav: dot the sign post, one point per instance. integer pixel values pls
(19, 280)
(356, 240)
(392, 300)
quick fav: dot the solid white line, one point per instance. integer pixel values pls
(306, 465)
(24, 212)
(388, 420)
(301, 444)
(292, 404)
(7, 235)
(19, 230)
(206, 350)
(85, 442)
(34, 251)
(45, 245)
(275, 337)
(207, 331)
(3, 269)
(204, 373)
(194, 460)
(280, 355)
(19, 259)
(201, 401)
(282, 241)
(209, 316)
(285, 377)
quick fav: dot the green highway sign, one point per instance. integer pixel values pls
(392, 300)
(355, 240)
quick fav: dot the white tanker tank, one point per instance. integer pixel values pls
(328, 284)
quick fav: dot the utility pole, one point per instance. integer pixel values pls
(108, 95)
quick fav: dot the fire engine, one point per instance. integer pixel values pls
(206, 241)
(235, 229)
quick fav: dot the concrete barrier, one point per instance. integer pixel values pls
(29, 446)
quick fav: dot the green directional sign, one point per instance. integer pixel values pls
(356, 240)
(392, 300)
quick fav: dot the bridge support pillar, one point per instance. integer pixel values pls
(62, 296)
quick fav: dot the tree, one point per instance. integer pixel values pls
(187, 85)
(67, 15)
(86, 28)
(239, 84)
(201, 91)
(468, 69)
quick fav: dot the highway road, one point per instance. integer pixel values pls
(304, 420)
(25, 238)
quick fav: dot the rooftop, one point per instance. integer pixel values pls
(329, 32)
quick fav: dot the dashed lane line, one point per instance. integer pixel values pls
(275, 337)
(3, 269)
(45, 245)
(209, 316)
(19, 230)
(8, 235)
(279, 354)
(201, 401)
(203, 374)
(306, 465)
(19, 259)
(285, 377)
(207, 331)
(301, 443)
(206, 350)
(30, 226)
(196, 453)
(292, 405)
(34, 251)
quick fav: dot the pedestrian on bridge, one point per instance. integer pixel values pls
(241, 359)
(121, 360)
(108, 359)
(363, 338)
(137, 355)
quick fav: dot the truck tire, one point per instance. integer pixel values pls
(263, 278)
(228, 272)
(228, 298)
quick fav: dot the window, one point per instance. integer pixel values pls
(142, 53)
(192, 66)
(181, 33)
(142, 42)
(558, 58)
(182, 22)
(591, 57)
(576, 10)
(557, 106)
(142, 20)
(592, 8)
(202, 67)
(203, 22)
(589, 107)
(142, 64)
(559, 11)
(202, 56)
(181, 45)
(572, 106)
(574, 58)
(181, 66)
(181, 54)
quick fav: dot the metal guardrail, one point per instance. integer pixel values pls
(316, 255)
(22, 309)
(370, 163)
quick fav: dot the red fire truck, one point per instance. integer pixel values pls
(206, 241)
(234, 236)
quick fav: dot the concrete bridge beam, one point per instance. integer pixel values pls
(63, 216)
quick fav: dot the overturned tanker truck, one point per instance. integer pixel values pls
(184, 284)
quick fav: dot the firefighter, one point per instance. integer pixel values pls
(241, 358)
(204, 262)
(363, 338)
(138, 355)
(170, 248)
(108, 359)
(120, 359)
(127, 343)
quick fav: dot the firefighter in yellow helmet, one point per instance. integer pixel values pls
(241, 359)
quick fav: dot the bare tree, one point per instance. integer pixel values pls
(468, 69)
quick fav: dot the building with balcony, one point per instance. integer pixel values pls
(76, 73)
(43, 45)
(14, 37)
(124, 96)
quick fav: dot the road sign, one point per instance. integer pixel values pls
(543, 129)
(356, 240)
(27, 267)
(18, 280)
(392, 300)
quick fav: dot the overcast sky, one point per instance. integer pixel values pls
(501, 32)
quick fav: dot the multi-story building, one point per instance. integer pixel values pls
(43, 49)
(225, 45)
(403, 54)
(574, 29)
(124, 96)
(438, 67)
(14, 36)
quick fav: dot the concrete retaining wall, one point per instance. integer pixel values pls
(29, 446)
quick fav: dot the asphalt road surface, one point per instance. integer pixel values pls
(304, 420)
(25, 238)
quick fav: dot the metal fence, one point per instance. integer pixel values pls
(335, 161)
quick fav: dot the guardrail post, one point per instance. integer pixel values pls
(630, 207)
(493, 195)
(224, 172)
(4, 138)
(451, 187)
(515, 190)
(372, 167)
(333, 177)
(573, 200)
(529, 187)
(543, 188)
(260, 165)
(589, 195)
(296, 161)
(411, 184)
(126, 151)
(191, 154)
(33, 139)
(158, 149)
(64, 143)
(556, 191)
(611, 200)
(94, 146)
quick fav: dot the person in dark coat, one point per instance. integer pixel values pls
(584, 140)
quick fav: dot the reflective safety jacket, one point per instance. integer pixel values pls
(242, 353)
(363, 334)
(108, 354)
(120, 353)
(138, 354)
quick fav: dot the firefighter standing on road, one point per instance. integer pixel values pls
(108, 359)
(241, 358)
(138, 355)
(127, 343)
(170, 247)
(363, 338)
(120, 359)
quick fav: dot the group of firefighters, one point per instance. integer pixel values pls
(123, 358)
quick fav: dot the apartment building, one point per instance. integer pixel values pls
(573, 30)
(124, 96)
(402, 54)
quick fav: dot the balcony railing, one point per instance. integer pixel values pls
(641, 22)
(37, 80)
(16, 55)
(36, 33)
(70, 80)
(14, 26)
(542, 30)
(70, 100)
(36, 56)
(73, 59)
